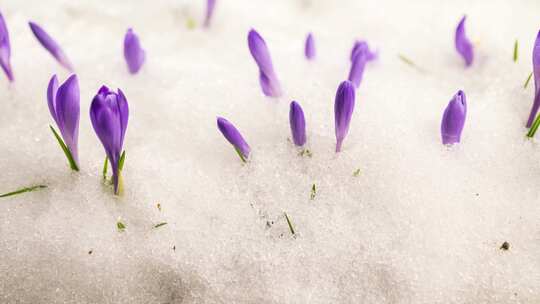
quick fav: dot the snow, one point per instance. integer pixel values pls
(421, 223)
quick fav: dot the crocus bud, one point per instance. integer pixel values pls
(64, 105)
(267, 77)
(343, 109)
(133, 53)
(298, 124)
(536, 73)
(362, 47)
(5, 49)
(463, 45)
(210, 5)
(109, 114)
(50, 45)
(234, 137)
(454, 119)
(310, 47)
(357, 69)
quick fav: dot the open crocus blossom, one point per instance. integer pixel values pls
(133, 53)
(298, 124)
(234, 137)
(343, 109)
(536, 73)
(5, 49)
(210, 5)
(463, 45)
(267, 77)
(50, 45)
(362, 47)
(310, 47)
(109, 114)
(64, 105)
(454, 119)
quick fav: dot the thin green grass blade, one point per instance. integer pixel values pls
(527, 81)
(515, 51)
(289, 223)
(71, 161)
(23, 190)
(105, 164)
(121, 161)
(534, 127)
(240, 154)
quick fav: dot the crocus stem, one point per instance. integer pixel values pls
(240, 154)
(120, 188)
(68, 154)
(338, 145)
(105, 167)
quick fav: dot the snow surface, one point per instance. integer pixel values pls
(421, 223)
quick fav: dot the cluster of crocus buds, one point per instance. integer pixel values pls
(267, 76)
(463, 45)
(234, 137)
(109, 114)
(536, 73)
(50, 45)
(5, 49)
(343, 110)
(64, 105)
(210, 5)
(454, 119)
(309, 49)
(360, 56)
(133, 53)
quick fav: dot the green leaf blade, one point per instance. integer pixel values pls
(69, 156)
(24, 190)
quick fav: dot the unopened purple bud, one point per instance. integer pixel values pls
(298, 124)
(310, 47)
(463, 45)
(234, 137)
(357, 69)
(133, 53)
(536, 73)
(5, 49)
(50, 45)
(454, 119)
(64, 105)
(362, 47)
(343, 110)
(109, 113)
(267, 77)
(210, 5)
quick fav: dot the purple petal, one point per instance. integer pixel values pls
(536, 72)
(50, 45)
(343, 109)
(362, 47)
(123, 109)
(133, 53)
(68, 113)
(310, 47)
(357, 68)
(454, 119)
(463, 45)
(267, 77)
(52, 88)
(210, 4)
(233, 136)
(298, 124)
(5, 49)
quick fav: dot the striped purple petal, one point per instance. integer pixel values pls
(234, 137)
(454, 119)
(343, 110)
(298, 124)
(309, 49)
(50, 45)
(267, 77)
(133, 53)
(5, 49)
(536, 73)
(210, 5)
(463, 45)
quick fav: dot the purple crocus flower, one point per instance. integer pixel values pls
(5, 49)
(64, 105)
(234, 137)
(454, 119)
(536, 73)
(133, 53)
(109, 114)
(298, 124)
(362, 47)
(50, 45)
(343, 109)
(310, 47)
(463, 45)
(357, 68)
(267, 77)
(210, 5)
